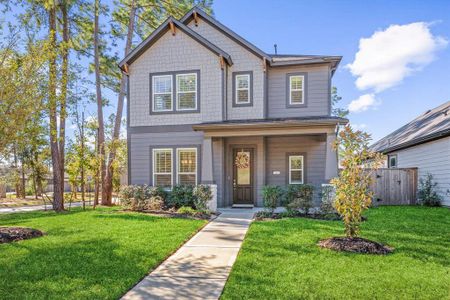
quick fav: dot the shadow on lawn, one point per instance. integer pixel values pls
(89, 268)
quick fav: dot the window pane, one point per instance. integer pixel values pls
(242, 96)
(162, 101)
(297, 82)
(187, 161)
(296, 176)
(296, 96)
(242, 81)
(163, 180)
(162, 84)
(163, 162)
(186, 83)
(187, 179)
(296, 162)
(186, 100)
(243, 162)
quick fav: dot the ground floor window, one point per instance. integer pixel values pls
(187, 166)
(296, 173)
(162, 167)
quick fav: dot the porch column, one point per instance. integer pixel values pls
(207, 161)
(331, 160)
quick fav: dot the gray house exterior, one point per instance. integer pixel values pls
(423, 143)
(205, 106)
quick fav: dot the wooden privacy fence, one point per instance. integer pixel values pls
(395, 186)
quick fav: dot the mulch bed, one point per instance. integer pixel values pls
(356, 245)
(12, 234)
(265, 216)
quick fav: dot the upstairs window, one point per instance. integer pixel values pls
(162, 167)
(296, 173)
(296, 89)
(187, 166)
(162, 93)
(186, 91)
(175, 92)
(242, 89)
(392, 161)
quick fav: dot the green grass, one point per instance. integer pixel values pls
(86, 255)
(280, 259)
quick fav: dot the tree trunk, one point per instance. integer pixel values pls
(64, 82)
(97, 175)
(98, 88)
(108, 187)
(22, 173)
(58, 197)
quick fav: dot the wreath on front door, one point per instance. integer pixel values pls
(242, 160)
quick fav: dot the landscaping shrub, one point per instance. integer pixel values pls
(353, 194)
(202, 195)
(182, 195)
(327, 195)
(187, 210)
(272, 195)
(142, 197)
(427, 193)
(299, 196)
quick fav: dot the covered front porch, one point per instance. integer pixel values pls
(240, 158)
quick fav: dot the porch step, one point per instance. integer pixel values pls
(242, 206)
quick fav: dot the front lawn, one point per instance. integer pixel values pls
(280, 259)
(94, 254)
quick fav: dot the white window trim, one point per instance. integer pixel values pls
(302, 169)
(296, 90)
(154, 165)
(178, 164)
(155, 93)
(177, 92)
(236, 95)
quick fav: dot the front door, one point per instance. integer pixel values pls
(243, 176)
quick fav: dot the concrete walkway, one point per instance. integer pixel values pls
(200, 268)
(18, 209)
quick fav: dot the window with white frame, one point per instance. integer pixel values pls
(392, 161)
(162, 93)
(186, 91)
(162, 167)
(296, 89)
(242, 92)
(187, 166)
(296, 166)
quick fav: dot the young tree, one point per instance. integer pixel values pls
(335, 99)
(353, 194)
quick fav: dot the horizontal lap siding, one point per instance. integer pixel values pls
(318, 97)
(140, 150)
(433, 158)
(314, 148)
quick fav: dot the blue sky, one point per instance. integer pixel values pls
(335, 28)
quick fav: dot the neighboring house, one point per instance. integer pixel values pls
(423, 143)
(206, 106)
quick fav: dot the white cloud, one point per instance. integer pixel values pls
(390, 55)
(363, 103)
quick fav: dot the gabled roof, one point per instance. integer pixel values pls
(161, 30)
(189, 16)
(431, 125)
(296, 59)
(273, 59)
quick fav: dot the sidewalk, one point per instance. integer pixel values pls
(7, 210)
(200, 268)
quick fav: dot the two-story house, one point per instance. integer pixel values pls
(205, 106)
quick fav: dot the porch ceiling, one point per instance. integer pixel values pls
(307, 125)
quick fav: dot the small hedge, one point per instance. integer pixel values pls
(143, 197)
